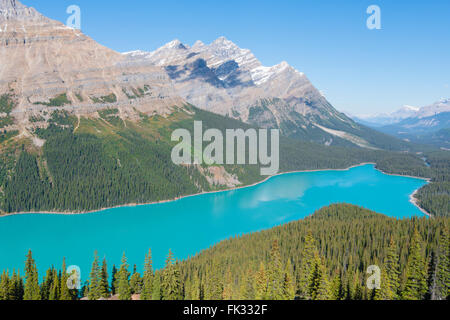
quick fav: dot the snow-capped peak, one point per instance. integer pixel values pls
(175, 44)
(198, 44)
(135, 53)
(223, 42)
(219, 52)
(412, 108)
(262, 74)
(441, 106)
(226, 49)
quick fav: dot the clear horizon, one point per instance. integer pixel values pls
(360, 71)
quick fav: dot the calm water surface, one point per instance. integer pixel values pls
(190, 225)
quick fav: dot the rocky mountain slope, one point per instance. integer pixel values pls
(83, 127)
(46, 66)
(227, 80)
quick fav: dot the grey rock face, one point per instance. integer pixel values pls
(41, 59)
(14, 10)
(225, 79)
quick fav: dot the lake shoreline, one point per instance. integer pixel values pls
(413, 199)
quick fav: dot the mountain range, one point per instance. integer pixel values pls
(429, 124)
(52, 67)
(47, 66)
(223, 78)
(84, 127)
(406, 112)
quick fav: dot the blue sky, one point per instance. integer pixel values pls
(359, 70)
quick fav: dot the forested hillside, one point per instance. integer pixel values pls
(435, 197)
(92, 163)
(326, 256)
(323, 257)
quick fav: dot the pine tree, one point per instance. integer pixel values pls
(392, 271)
(288, 285)
(227, 294)
(123, 288)
(54, 288)
(4, 286)
(64, 288)
(32, 290)
(94, 280)
(171, 280)
(16, 287)
(114, 280)
(213, 282)
(416, 274)
(318, 285)
(85, 289)
(390, 275)
(104, 285)
(147, 281)
(156, 294)
(357, 293)
(46, 284)
(442, 277)
(306, 265)
(195, 288)
(338, 292)
(275, 275)
(247, 290)
(136, 282)
(261, 283)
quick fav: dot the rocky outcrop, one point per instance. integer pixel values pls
(42, 59)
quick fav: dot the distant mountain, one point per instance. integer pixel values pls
(406, 112)
(383, 119)
(420, 125)
(222, 78)
(428, 125)
(434, 130)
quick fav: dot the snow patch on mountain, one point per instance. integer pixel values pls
(407, 112)
(218, 53)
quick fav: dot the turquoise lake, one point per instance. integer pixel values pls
(192, 224)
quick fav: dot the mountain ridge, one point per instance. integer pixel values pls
(223, 78)
(406, 112)
(84, 127)
(52, 67)
(425, 125)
